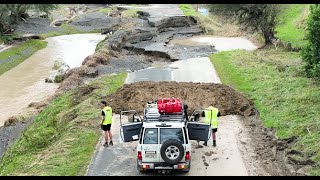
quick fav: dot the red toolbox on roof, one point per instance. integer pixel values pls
(169, 105)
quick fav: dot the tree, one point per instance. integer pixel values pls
(258, 17)
(4, 19)
(311, 53)
(46, 8)
(20, 10)
(17, 11)
(12, 13)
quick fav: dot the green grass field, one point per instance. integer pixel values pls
(21, 52)
(188, 10)
(285, 98)
(292, 24)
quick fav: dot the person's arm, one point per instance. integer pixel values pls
(103, 116)
(202, 114)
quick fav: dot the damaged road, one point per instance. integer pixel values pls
(159, 68)
(240, 149)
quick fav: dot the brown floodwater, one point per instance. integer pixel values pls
(25, 83)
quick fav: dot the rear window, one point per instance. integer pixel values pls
(150, 136)
(171, 133)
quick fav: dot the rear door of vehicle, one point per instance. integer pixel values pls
(150, 145)
(172, 133)
(131, 131)
(198, 131)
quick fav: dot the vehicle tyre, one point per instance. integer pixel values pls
(172, 151)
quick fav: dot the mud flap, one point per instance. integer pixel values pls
(198, 131)
(131, 132)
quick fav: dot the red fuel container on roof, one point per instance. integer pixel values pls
(169, 106)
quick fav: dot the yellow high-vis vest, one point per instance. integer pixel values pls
(211, 113)
(107, 115)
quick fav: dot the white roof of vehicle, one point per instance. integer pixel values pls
(154, 124)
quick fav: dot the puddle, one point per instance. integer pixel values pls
(220, 43)
(203, 11)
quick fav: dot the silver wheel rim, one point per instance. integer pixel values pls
(172, 152)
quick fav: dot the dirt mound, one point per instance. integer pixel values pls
(195, 95)
(73, 80)
(95, 59)
(39, 105)
(11, 121)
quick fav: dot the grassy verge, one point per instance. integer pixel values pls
(63, 137)
(101, 45)
(66, 30)
(219, 26)
(188, 10)
(130, 13)
(207, 23)
(292, 24)
(106, 10)
(19, 53)
(286, 99)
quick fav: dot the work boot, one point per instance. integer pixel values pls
(205, 143)
(214, 143)
(111, 143)
(105, 144)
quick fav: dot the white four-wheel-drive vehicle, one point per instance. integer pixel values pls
(164, 135)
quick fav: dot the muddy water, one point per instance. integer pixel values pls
(72, 49)
(25, 83)
(220, 43)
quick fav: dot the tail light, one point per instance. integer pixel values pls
(139, 155)
(146, 166)
(187, 156)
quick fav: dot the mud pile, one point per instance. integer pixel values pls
(195, 95)
(73, 78)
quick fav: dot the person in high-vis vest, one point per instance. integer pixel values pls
(106, 122)
(211, 115)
